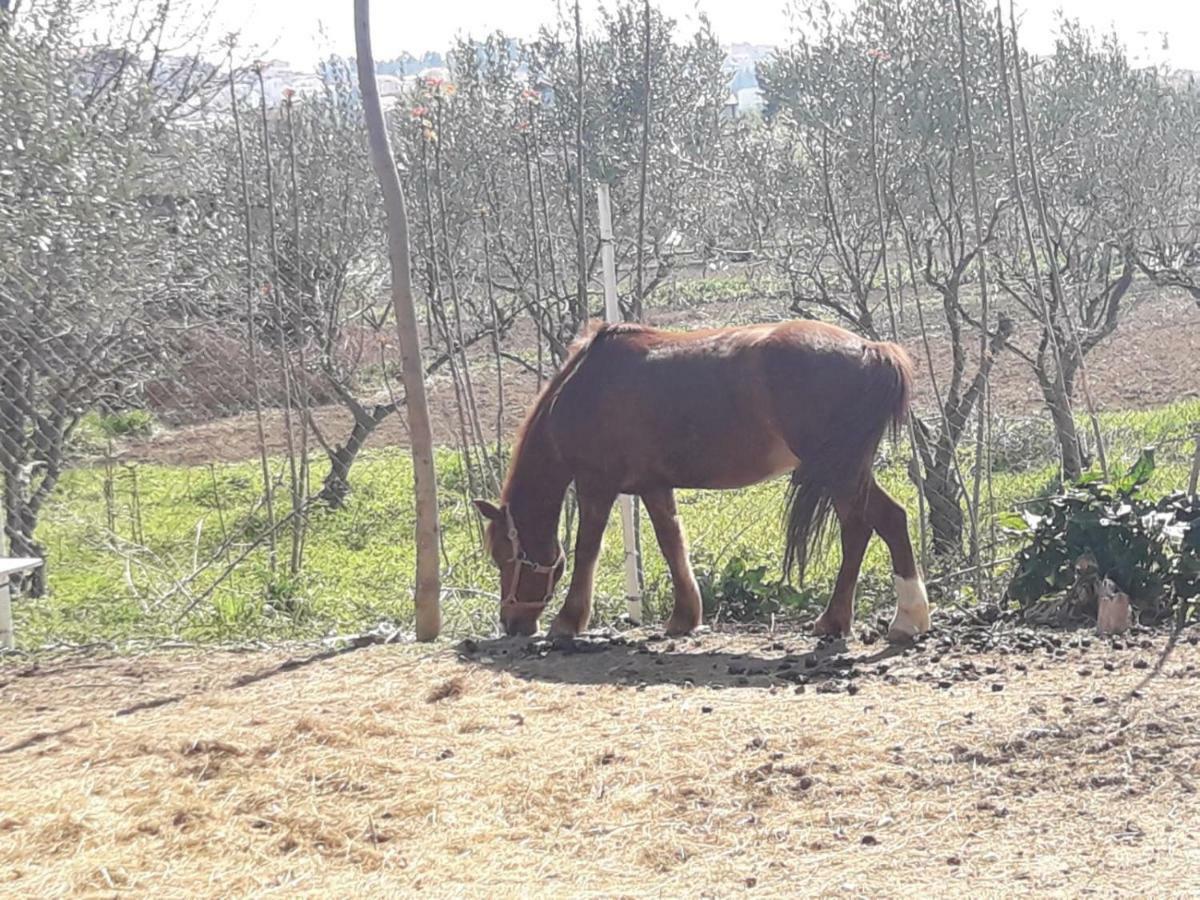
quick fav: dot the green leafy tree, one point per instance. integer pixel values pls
(94, 257)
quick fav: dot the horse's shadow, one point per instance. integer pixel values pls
(710, 661)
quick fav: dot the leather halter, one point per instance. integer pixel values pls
(522, 561)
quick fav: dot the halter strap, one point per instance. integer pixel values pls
(524, 562)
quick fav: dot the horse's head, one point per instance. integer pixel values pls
(527, 581)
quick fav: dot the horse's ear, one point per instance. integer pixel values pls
(488, 510)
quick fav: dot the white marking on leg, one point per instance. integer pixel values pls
(912, 608)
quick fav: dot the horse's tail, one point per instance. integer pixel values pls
(840, 467)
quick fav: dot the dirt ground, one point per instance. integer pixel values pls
(1153, 359)
(727, 764)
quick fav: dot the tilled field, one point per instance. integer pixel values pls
(986, 760)
(1153, 359)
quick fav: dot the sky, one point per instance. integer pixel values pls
(301, 31)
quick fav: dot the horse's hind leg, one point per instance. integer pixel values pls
(686, 615)
(856, 532)
(912, 605)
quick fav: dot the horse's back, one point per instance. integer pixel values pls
(713, 408)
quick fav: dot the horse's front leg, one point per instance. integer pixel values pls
(687, 614)
(577, 608)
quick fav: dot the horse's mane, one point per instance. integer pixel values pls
(594, 333)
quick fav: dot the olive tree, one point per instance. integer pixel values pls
(1095, 128)
(869, 149)
(504, 130)
(1168, 250)
(94, 253)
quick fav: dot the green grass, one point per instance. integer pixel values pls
(690, 293)
(139, 579)
(96, 431)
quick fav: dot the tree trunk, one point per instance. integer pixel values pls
(20, 523)
(21, 543)
(428, 588)
(20, 520)
(581, 297)
(946, 520)
(1056, 393)
(643, 165)
(336, 487)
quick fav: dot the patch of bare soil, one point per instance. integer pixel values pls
(615, 766)
(1153, 359)
(235, 438)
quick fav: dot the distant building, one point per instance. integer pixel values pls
(741, 68)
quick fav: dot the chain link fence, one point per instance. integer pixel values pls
(196, 502)
(201, 414)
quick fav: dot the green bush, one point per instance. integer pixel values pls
(1181, 512)
(1128, 536)
(127, 424)
(96, 429)
(743, 593)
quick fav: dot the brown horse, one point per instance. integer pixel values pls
(636, 410)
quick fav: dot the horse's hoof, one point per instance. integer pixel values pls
(679, 626)
(901, 635)
(830, 626)
(560, 628)
(912, 610)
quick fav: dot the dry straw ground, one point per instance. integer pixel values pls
(391, 770)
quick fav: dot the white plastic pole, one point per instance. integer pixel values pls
(612, 313)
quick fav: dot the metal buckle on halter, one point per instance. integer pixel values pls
(522, 561)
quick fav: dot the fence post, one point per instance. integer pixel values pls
(612, 313)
